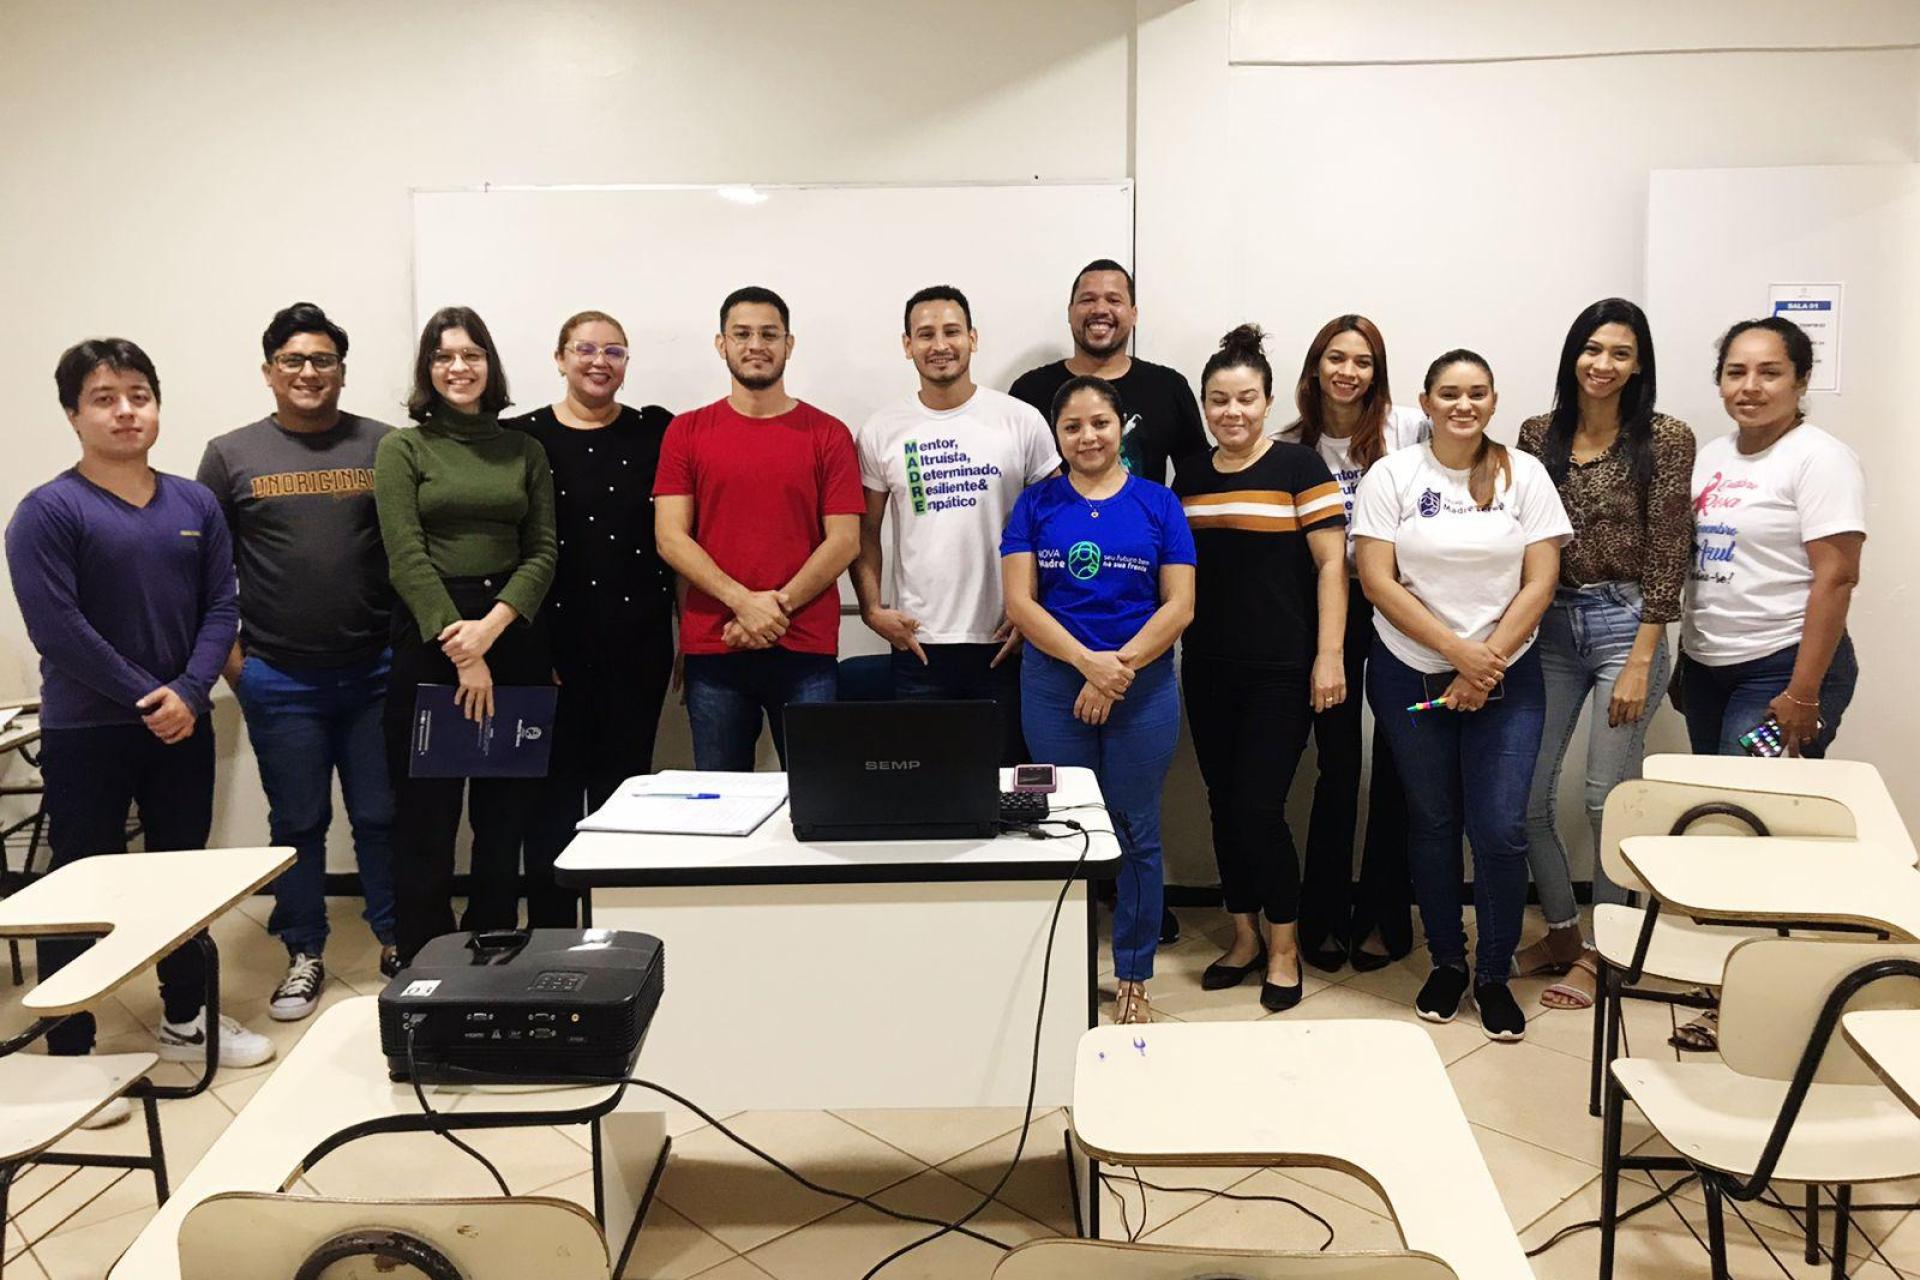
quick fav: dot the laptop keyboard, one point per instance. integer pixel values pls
(1023, 806)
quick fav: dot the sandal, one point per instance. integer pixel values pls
(1702, 1035)
(1576, 992)
(1132, 1006)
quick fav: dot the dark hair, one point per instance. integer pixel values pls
(82, 358)
(1086, 382)
(935, 293)
(1799, 345)
(579, 318)
(1491, 465)
(1244, 347)
(1636, 398)
(755, 293)
(1369, 434)
(1102, 264)
(301, 317)
(423, 398)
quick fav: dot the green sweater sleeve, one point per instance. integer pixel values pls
(396, 497)
(527, 589)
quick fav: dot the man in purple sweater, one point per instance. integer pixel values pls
(125, 578)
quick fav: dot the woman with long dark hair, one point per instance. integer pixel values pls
(1459, 548)
(1348, 417)
(1622, 470)
(466, 514)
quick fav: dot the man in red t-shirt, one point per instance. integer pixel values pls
(757, 507)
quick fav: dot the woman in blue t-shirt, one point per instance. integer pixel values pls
(1098, 570)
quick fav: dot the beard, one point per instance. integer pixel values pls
(758, 381)
(1117, 342)
(947, 377)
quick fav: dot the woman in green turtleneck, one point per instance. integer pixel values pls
(466, 512)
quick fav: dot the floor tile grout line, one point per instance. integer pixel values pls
(1038, 1116)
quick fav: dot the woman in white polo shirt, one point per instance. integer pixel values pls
(1779, 510)
(1458, 542)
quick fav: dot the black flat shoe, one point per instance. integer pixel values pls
(1218, 977)
(1278, 999)
(1169, 927)
(1327, 957)
(1368, 961)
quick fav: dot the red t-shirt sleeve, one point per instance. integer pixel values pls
(840, 490)
(673, 477)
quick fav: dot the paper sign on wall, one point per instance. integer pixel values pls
(1816, 309)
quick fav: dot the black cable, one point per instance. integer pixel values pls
(1575, 1228)
(1773, 1202)
(439, 1124)
(1323, 1246)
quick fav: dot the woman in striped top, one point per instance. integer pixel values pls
(1264, 651)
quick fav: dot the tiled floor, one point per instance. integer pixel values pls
(721, 1215)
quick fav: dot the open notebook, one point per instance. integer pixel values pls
(688, 802)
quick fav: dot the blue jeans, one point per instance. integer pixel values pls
(1724, 702)
(1129, 756)
(728, 692)
(1584, 641)
(1465, 769)
(304, 724)
(962, 671)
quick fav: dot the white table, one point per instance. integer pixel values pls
(1368, 1097)
(1809, 882)
(859, 974)
(1889, 1041)
(334, 1087)
(1854, 783)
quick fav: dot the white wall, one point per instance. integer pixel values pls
(177, 172)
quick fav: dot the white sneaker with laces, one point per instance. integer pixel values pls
(115, 1112)
(187, 1042)
(299, 992)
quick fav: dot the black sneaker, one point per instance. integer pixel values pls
(1500, 1016)
(1439, 1000)
(299, 992)
(389, 961)
(1169, 927)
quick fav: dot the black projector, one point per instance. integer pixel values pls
(540, 1006)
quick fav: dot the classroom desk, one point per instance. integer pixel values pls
(1368, 1097)
(1854, 783)
(1889, 1042)
(333, 1088)
(859, 973)
(1792, 881)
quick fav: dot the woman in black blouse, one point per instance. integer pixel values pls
(611, 610)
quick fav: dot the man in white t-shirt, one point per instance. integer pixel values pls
(947, 462)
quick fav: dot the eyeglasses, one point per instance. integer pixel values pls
(470, 356)
(614, 353)
(293, 362)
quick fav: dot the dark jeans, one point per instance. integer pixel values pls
(1129, 755)
(91, 776)
(427, 810)
(1724, 702)
(962, 671)
(1329, 908)
(727, 693)
(1471, 769)
(603, 734)
(1249, 726)
(304, 724)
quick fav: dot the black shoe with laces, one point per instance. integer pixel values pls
(1500, 1016)
(1439, 999)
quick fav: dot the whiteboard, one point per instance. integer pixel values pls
(845, 258)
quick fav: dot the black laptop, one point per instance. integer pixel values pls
(893, 770)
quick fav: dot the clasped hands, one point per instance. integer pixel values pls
(759, 618)
(1477, 668)
(466, 643)
(1109, 674)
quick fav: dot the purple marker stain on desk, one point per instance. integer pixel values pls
(1140, 1043)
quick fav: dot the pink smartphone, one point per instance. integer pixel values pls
(1039, 778)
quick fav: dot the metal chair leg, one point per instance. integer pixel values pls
(1813, 1223)
(1615, 1105)
(1842, 1214)
(1602, 985)
(1716, 1229)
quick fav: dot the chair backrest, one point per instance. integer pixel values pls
(1646, 807)
(1775, 989)
(249, 1234)
(1069, 1259)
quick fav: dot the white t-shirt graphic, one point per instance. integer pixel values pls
(1402, 428)
(1753, 515)
(951, 477)
(1462, 563)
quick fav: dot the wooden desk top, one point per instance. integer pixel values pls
(1854, 783)
(1850, 882)
(1370, 1097)
(145, 904)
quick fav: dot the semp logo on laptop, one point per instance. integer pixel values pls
(890, 766)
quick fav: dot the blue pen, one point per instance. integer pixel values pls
(681, 795)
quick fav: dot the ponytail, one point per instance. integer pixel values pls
(1492, 471)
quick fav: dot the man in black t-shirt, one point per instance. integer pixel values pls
(1163, 419)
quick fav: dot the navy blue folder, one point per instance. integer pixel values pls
(513, 743)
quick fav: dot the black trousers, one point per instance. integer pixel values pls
(91, 776)
(608, 715)
(1249, 725)
(1329, 908)
(426, 818)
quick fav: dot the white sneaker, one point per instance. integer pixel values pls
(115, 1112)
(187, 1042)
(299, 992)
